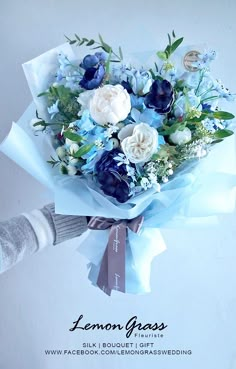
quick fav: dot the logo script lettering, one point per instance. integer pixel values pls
(130, 327)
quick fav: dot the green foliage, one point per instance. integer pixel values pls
(223, 115)
(68, 105)
(101, 44)
(222, 133)
(53, 162)
(83, 150)
(171, 47)
(72, 136)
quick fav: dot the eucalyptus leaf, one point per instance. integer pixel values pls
(83, 150)
(72, 136)
(224, 115)
(161, 55)
(90, 43)
(222, 133)
(176, 44)
(120, 53)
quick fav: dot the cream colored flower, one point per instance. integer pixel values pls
(141, 145)
(110, 104)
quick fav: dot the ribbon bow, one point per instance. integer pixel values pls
(112, 270)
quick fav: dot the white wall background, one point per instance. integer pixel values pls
(193, 283)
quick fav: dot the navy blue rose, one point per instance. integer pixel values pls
(111, 176)
(161, 96)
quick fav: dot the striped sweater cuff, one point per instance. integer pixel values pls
(64, 226)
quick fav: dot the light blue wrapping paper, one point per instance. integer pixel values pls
(194, 197)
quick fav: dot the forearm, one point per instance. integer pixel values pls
(28, 233)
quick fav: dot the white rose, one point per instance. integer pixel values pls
(141, 145)
(126, 131)
(181, 137)
(110, 104)
(84, 99)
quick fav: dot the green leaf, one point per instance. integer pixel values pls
(64, 170)
(120, 53)
(100, 38)
(173, 33)
(176, 44)
(78, 38)
(41, 123)
(161, 55)
(108, 62)
(72, 42)
(169, 39)
(90, 43)
(222, 133)
(168, 51)
(152, 73)
(72, 136)
(105, 46)
(43, 94)
(224, 115)
(83, 150)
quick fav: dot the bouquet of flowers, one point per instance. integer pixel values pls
(125, 144)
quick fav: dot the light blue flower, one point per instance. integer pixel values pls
(185, 102)
(161, 141)
(140, 81)
(53, 109)
(86, 122)
(148, 116)
(137, 101)
(63, 61)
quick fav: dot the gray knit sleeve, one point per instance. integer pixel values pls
(25, 234)
(64, 226)
(17, 240)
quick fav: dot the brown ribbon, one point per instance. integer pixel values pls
(112, 270)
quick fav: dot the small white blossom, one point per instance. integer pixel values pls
(145, 184)
(157, 187)
(61, 152)
(122, 159)
(99, 143)
(71, 170)
(73, 161)
(131, 172)
(110, 130)
(73, 148)
(165, 179)
(181, 137)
